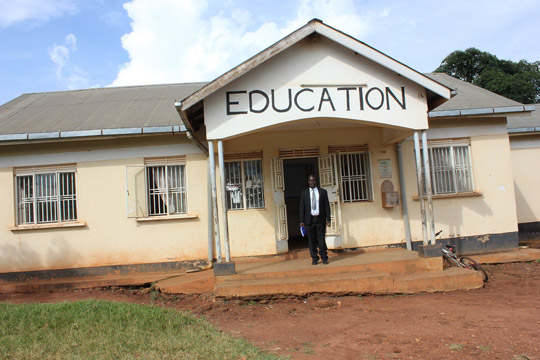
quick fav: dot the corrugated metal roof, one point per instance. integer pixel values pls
(95, 109)
(471, 100)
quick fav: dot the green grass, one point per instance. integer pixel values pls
(109, 330)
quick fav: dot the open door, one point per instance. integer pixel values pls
(280, 209)
(136, 191)
(329, 180)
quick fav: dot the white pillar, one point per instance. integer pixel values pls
(214, 198)
(419, 180)
(404, 203)
(427, 177)
(224, 201)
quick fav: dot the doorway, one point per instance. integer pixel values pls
(295, 173)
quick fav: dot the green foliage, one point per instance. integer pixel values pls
(519, 81)
(110, 330)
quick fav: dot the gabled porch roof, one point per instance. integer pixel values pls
(190, 107)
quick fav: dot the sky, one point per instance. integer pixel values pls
(54, 45)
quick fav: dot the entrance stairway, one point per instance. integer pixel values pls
(387, 271)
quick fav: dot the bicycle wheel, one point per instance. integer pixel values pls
(473, 265)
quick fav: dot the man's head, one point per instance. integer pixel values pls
(312, 182)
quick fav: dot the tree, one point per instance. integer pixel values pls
(517, 81)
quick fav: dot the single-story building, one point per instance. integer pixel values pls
(153, 176)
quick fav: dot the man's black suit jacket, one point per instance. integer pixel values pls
(305, 206)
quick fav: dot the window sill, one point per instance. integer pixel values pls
(452, 196)
(165, 218)
(48, 226)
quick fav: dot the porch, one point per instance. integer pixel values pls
(384, 271)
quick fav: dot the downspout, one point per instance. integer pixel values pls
(210, 209)
(404, 205)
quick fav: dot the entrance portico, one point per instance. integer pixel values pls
(317, 101)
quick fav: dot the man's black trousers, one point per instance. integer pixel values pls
(315, 233)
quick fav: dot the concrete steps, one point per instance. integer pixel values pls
(356, 282)
(386, 272)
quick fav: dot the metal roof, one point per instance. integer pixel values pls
(94, 112)
(525, 124)
(472, 100)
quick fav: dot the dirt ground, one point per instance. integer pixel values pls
(499, 321)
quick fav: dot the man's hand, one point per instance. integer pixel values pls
(301, 224)
(328, 224)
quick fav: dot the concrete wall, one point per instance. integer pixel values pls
(492, 209)
(109, 237)
(525, 152)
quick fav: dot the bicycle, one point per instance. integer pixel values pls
(450, 257)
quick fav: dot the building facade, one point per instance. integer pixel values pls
(161, 175)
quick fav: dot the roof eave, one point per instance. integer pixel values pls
(79, 134)
(481, 111)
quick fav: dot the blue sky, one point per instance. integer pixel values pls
(50, 45)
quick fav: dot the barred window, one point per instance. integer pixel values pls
(166, 189)
(46, 195)
(356, 183)
(244, 184)
(450, 167)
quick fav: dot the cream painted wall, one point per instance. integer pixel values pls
(316, 65)
(491, 213)
(526, 168)
(252, 232)
(109, 238)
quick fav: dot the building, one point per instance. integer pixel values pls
(123, 177)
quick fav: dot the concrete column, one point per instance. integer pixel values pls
(404, 205)
(427, 177)
(224, 201)
(210, 214)
(217, 237)
(417, 152)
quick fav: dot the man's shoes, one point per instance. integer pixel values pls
(325, 262)
(314, 262)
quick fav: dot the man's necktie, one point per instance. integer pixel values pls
(313, 200)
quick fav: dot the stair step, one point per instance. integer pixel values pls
(363, 282)
(282, 270)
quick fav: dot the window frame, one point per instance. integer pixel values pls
(58, 199)
(183, 195)
(243, 159)
(453, 168)
(368, 177)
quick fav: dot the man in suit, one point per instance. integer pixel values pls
(315, 217)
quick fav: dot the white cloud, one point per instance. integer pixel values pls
(71, 75)
(17, 11)
(181, 41)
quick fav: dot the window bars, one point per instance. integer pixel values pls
(244, 184)
(451, 169)
(167, 193)
(46, 198)
(356, 177)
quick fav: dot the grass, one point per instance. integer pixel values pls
(109, 330)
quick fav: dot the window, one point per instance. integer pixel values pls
(166, 189)
(46, 195)
(244, 182)
(355, 171)
(450, 166)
